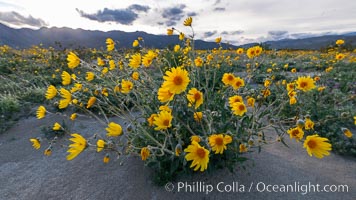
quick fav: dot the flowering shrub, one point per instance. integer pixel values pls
(186, 110)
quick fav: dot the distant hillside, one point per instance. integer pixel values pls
(313, 43)
(73, 38)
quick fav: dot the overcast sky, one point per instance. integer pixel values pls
(236, 21)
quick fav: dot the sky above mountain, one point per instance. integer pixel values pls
(237, 22)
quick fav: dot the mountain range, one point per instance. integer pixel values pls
(74, 38)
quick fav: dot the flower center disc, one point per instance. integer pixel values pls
(197, 96)
(177, 80)
(303, 84)
(201, 152)
(219, 141)
(241, 107)
(312, 144)
(166, 122)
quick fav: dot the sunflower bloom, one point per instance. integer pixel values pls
(251, 102)
(195, 138)
(91, 102)
(113, 130)
(339, 56)
(305, 83)
(251, 52)
(309, 124)
(218, 40)
(243, 148)
(112, 64)
(194, 96)
(106, 158)
(78, 145)
(163, 120)
(176, 80)
(51, 92)
(47, 152)
(100, 61)
(198, 116)
(317, 146)
(73, 60)
(56, 126)
(66, 78)
(296, 133)
(73, 116)
(67, 98)
(238, 82)
(135, 61)
(164, 95)
(228, 78)
(199, 156)
(169, 31)
(110, 44)
(181, 36)
(35, 143)
(347, 132)
(135, 76)
(126, 86)
(198, 62)
(145, 153)
(89, 76)
(188, 21)
(218, 142)
(339, 42)
(148, 58)
(240, 51)
(235, 99)
(151, 119)
(41, 112)
(135, 43)
(100, 144)
(239, 108)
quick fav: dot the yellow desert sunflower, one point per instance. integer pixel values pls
(145, 153)
(198, 62)
(239, 108)
(135, 76)
(218, 40)
(251, 101)
(188, 21)
(228, 78)
(113, 129)
(176, 80)
(35, 143)
(164, 95)
(317, 146)
(151, 119)
(240, 51)
(347, 132)
(305, 83)
(243, 148)
(163, 120)
(198, 116)
(194, 96)
(296, 133)
(126, 86)
(135, 43)
(169, 31)
(235, 99)
(67, 98)
(89, 76)
(148, 58)
(66, 78)
(73, 60)
(56, 126)
(199, 156)
(237, 83)
(135, 61)
(309, 124)
(218, 142)
(41, 112)
(91, 102)
(100, 144)
(110, 44)
(339, 56)
(78, 145)
(339, 42)
(51, 92)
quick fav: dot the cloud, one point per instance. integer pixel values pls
(18, 19)
(173, 14)
(122, 16)
(238, 32)
(277, 35)
(209, 33)
(192, 14)
(219, 9)
(136, 7)
(217, 2)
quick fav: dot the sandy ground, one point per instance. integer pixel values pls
(27, 174)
